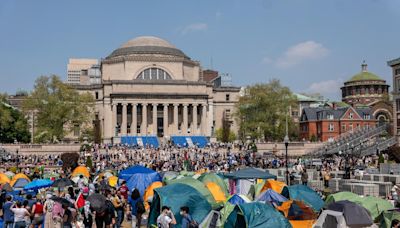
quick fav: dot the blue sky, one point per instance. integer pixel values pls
(310, 45)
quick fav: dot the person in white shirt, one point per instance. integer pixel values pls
(166, 218)
(19, 215)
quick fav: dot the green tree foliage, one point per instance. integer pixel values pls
(263, 109)
(219, 133)
(13, 124)
(89, 162)
(58, 108)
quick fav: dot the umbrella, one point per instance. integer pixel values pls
(63, 201)
(354, 214)
(62, 183)
(97, 202)
(38, 184)
(7, 187)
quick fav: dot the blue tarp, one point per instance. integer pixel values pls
(38, 184)
(271, 196)
(307, 195)
(141, 181)
(127, 173)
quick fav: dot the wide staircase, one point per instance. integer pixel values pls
(141, 141)
(189, 141)
(362, 141)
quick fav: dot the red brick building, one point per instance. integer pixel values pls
(327, 123)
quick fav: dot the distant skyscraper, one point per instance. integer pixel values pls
(83, 71)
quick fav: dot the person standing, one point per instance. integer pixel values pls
(119, 205)
(304, 177)
(19, 215)
(37, 211)
(8, 214)
(187, 219)
(137, 208)
(166, 218)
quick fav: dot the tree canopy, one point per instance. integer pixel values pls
(58, 109)
(13, 124)
(263, 109)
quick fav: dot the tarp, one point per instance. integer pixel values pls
(38, 184)
(19, 176)
(277, 186)
(216, 192)
(307, 195)
(237, 199)
(150, 192)
(198, 186)
(176, 196)
(271, 196)
(354, 214)
(385, 218)
(127, 173)
(141, 181)
(254, 215)
(250, 173)
(212, 177)
(4, 178)
(80, 170)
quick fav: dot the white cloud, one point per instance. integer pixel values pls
(194, 28)
(309, 50)
(267, 60)
(329, 87)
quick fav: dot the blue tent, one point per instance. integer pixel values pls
(237, 199)
(307, 195)
(38, 184)
(271, 196)
(20, 183)
(141, 181)
(127, 173)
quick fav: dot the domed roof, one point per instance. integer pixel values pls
(147, 45)
(364, 75)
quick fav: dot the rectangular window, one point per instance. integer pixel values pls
(351, 126)
(331, 127)
(76, 130)
(329, 116)
(367, 117)
(397, 84)
(343, 127)
(351, 115)
(397, 71)
(227, 97)
(398, 105)
(97, 95)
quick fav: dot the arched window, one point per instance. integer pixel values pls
(154, 74)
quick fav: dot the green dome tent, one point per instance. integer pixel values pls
(342, 196)
(212, 177)
(176, 196)
(255, 215)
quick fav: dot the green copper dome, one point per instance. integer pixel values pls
(364, 75)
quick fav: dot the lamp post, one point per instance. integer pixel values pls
(286, 141)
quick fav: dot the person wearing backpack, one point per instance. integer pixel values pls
(187, 220)
(137, 208)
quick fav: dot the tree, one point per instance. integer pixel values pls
(89, 162)
(13, 124)
(263, 110)
(220, 136)
(58, 108)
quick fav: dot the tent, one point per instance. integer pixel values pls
(213, 219)
(141, 181)
(21, 183)
(4, 178)
(342, 196)
(9, 174)
(375, 205)
(250, 173)
(216, 191)
(175, 196)
(226, 211)
(200, 187)
(272, 197)
(255, 214)
(387, 217)
(307, 195)
(80, 170)
(297, 210)
(169, 175)
(38, 184)
(329, 218)
(354, 214)
(302, 223)
(113, 181)
(149, 193)
(277, 186)
(255, 190)
(127, 173)
(212, 177)
(238, 199)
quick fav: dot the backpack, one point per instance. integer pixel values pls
(140, 207)
(193, 224)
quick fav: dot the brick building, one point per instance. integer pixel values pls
(327, 123)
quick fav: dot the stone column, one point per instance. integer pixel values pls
(155, 119)
(176, 121)
(185, 119)
(165, 116)
(143, 126)
(134, 120)
(194, 123)
(203, 119)
(124, 119)
(114, 119)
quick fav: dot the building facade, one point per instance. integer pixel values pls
(151, 88)
(327, 123)
(395, 65)
(83, 72)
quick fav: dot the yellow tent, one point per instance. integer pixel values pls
(18, 176)
(81, 170)
(4, 179)
(112, 181)
(277, 186)
(216, 192)
(302, 223)
(150, 192)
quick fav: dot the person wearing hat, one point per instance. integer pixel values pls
(166, 218)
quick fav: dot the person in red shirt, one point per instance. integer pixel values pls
(124, 190)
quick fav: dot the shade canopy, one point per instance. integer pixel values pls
(250, 173)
